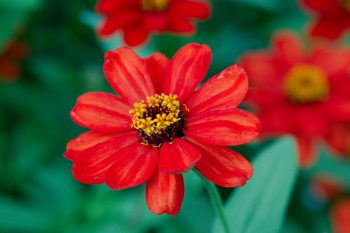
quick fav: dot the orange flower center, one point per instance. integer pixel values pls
(345, 4)
(306, 84)
(154, 5)
(158, 119)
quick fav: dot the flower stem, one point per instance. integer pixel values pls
(216, 201)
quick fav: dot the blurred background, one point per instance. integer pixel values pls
(50, 54)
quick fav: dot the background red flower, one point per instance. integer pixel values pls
(136, 19)
(10, 58)
(300, 92)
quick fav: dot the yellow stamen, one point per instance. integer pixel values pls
(144, 118)
(154, 5)
(306, 84)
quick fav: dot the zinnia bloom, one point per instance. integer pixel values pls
(333, 17)
(300, 93)
(13, 53)
(138, 18)
(159, 126)
(340, 216)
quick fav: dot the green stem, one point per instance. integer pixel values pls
(216, 201)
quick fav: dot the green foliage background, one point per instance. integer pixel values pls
(37, 190)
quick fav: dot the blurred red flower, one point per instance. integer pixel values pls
(10, 58)
(300, 93)
(160, 126)
(138, 18)
(333, 17)
(340, 216)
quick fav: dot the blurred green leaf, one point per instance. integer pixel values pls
(14, 20)
(15, 12)
(270, 5)
(23, 217)
(20, 4)
(261, 204)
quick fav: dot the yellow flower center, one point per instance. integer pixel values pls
(158, 119)
(345, 4)
(306, 84)
(154, 5)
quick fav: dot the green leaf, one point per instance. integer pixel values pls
(16, 13)
(21, 4)
(269, 5)
(17, 216)
(261, 204)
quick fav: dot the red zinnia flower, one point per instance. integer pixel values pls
(160, 127)
(340, 216)
(137, 18)
(300, 93)
(10, 58)
(333, 17)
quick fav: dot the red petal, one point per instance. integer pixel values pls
(134, 36)
(288, 48)
(92, 164)
(271, 119)
(339, 109)
(164, 193)
(126, 73)
(231, 127)
(261, 70)
(333, 60)
(102, 112)
(135, 167)
(110, 25)
(223, 166)
(329, 7)
(156, 22)
(108, 6)
(85, 141)
(310, 121)
(186, 70)
(156, 64)
(306, 151)
(177, 157)
(224, 91)
(181, 25)
(190, 9)
(340, 216)
(330, 27)
(338, 139)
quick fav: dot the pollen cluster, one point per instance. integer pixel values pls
(154, 5)
(306, 84)
(158, 119)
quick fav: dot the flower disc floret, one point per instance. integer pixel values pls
(154, 5)
(306, 84)
(159, 119)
